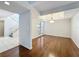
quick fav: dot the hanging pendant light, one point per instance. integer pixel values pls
(51, 20)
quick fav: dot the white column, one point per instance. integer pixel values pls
(25, 30)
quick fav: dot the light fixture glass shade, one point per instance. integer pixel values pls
(7, 3)
(51, 21)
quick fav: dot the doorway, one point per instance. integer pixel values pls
(1, 28)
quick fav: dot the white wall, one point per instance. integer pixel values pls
(75, 29)
(59, 28)
(7, 43)
(35, 21)
(25, 30)
(11, 23)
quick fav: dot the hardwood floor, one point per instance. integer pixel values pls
(51, 46)
(11, 53)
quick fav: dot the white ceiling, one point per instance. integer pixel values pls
(70, 13)
(13, 7)
(41, 6)
(4, 13)
(47, 5)
(61, 15)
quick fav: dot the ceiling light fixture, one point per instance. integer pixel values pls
(51, 21)
(7, 3)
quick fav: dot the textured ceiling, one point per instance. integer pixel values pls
(13, 7)
(44, 7)
(47, 5)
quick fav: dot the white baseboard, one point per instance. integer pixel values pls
(75, 43)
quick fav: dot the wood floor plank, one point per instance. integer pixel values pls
(52, 46)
